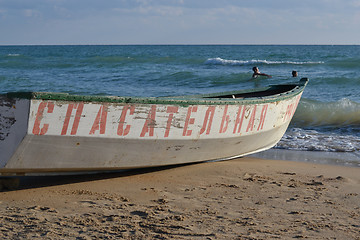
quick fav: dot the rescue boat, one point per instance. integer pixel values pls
(56, 132)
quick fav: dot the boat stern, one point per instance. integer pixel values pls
(14, 115)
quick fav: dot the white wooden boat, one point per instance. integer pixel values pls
(56, 132)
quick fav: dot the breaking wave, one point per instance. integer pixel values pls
(220, 61)
(13, 55)
(325, 127)
(342, 113)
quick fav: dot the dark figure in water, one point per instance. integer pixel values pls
(258, 73)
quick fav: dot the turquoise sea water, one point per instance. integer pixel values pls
(327, 121)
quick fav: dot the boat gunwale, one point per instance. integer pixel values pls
(200, 99)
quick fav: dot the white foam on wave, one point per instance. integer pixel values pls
(312, 140)
(221, 61)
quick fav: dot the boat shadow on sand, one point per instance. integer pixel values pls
(15, 183)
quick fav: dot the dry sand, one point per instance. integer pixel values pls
(245, 198)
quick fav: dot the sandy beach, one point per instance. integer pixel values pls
(245, 198)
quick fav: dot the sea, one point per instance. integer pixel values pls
(325, 127)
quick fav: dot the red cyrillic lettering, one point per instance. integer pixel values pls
(238, 120)
(262, 117)
(121, 131)
(224, 121)
(288, 112)
(252, 120)
(79, 107)
(39, 117)
(171, 110)
(100, 120)
(149, 123)
(209, 115)
(189, 120)
(78, 113)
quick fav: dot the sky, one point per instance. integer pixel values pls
(47, 22)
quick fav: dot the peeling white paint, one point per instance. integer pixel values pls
(14, 115)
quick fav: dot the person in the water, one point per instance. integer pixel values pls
(294, 73)
(258, 73)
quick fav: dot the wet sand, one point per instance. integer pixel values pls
(245, 198)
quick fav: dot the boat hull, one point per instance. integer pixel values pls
(83, 154)
(60, 134)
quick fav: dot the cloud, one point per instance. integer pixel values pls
(178, 21)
